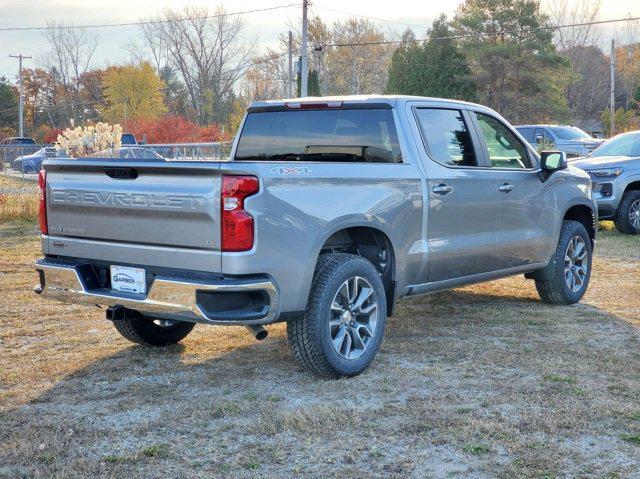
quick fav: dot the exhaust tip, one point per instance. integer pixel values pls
(262, 335)
(115, 313)
(258, 331)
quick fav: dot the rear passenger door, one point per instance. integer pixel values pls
(461, 215)
(525, 227)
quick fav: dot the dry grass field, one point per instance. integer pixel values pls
(483, 381)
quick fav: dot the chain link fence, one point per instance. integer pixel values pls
(24, 161)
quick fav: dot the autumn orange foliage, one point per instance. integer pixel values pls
(174, 129)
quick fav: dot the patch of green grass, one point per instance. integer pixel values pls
(577, 391)
(559, 379)
(115, 458)
(226, 408)
(635, 416)
(155, 450)
(476, 449)
(632, 438)
(251, 465)
(463, 410)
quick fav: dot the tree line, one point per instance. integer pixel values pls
(191, 72)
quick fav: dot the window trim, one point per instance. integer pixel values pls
(533, 159)
(468, 121)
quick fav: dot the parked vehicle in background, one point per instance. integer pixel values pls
(33, 163)
(570, 139)
(614, 168)
(128, 139)
(12, 148)
(18, 141)
(328, 211)
(129, 152)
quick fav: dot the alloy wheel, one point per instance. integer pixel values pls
(354, 317)
(576, 264)
(634, 215)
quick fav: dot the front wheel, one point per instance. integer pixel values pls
(627, 218)
(572, 266)
(342, 327)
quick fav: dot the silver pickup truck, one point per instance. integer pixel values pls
(327, 212)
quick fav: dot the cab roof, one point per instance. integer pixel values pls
(390, 100)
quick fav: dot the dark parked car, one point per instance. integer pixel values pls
(129, 139)
(18, 141)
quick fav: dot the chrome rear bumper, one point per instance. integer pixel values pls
(167, 296)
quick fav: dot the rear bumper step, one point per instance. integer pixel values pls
(220, 301)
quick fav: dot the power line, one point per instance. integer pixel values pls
(378, 19)
(479, 35)
(151, 22)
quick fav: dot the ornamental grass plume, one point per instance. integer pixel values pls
(79, 141)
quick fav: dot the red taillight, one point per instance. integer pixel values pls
(42, 210)
(237, 224)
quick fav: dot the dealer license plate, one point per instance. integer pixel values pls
(130, 280)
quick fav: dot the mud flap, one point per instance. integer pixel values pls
(545, 274)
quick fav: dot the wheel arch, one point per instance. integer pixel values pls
(585, 214)
(633, 185)
(372, 242)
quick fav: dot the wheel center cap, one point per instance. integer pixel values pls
(346, 316)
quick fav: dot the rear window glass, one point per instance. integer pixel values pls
(320, 135)
(526, 132)
(447, 136)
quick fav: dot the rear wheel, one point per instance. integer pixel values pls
(342, 327)
(627, 218)
(572, 266)
(151, 331)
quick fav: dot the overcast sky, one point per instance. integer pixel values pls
(264, 26)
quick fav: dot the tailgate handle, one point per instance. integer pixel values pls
(118, 173)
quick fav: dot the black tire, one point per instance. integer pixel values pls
(310, 336)
(143, 330)
(621, 219)
(556, 290)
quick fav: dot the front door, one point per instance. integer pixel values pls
(462, 202)
(526, 218)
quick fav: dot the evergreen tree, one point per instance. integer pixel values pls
(8, 105)
(313, 84)
(434, 68)
(513, 58)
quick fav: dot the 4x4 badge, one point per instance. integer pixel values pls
(291, 170)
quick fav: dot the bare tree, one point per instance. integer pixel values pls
(70, 52)
(68, 60)
(564, 12)
(207, 51)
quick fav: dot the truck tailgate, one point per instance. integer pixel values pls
(156, 204)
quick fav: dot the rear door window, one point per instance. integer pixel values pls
(342, 135)
(446, 136)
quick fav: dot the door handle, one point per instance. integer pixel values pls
(442, 189)
(506, 188)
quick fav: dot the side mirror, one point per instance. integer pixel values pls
(551, 161)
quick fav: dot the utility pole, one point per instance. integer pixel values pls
(303, 53)
(612, 114)
(21, 104)
(290, 84)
